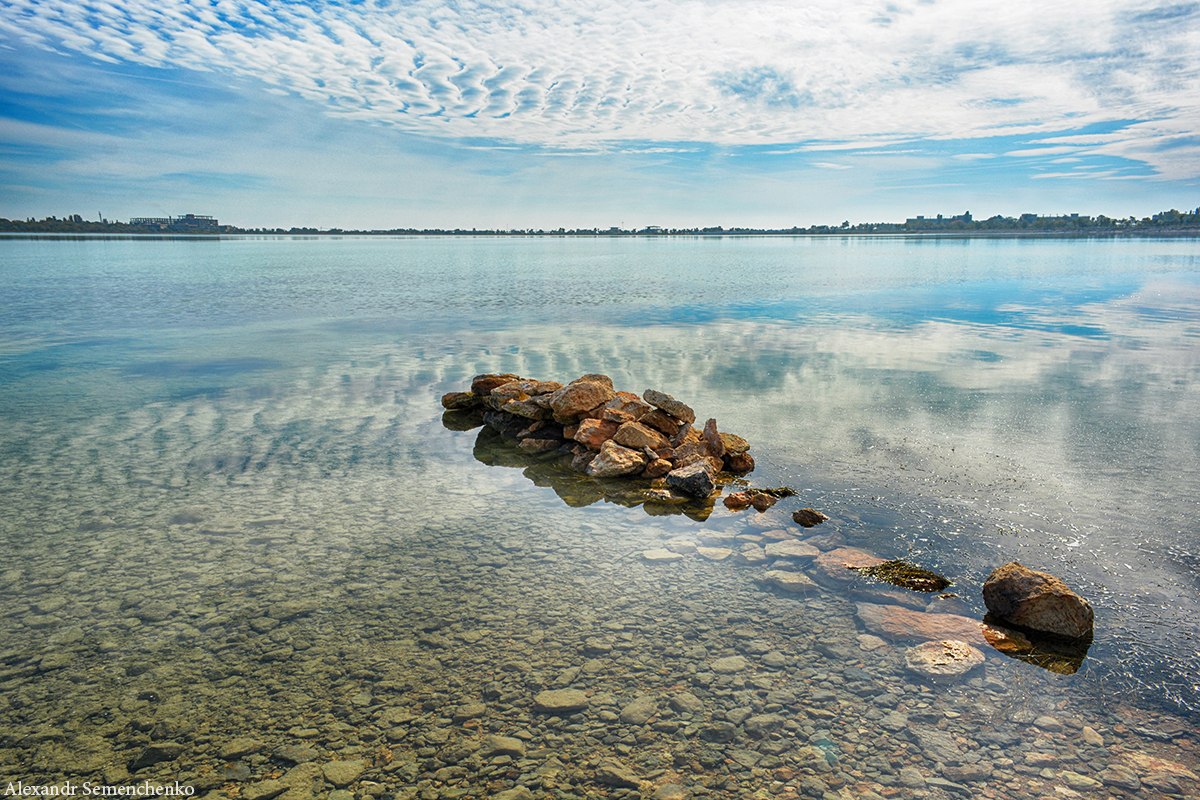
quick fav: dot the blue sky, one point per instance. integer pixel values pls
(548, 113)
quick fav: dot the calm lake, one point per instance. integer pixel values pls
(242, 551)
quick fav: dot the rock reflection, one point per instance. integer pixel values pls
(1052, 653)
(553, 470)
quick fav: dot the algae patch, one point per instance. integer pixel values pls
(906, 575)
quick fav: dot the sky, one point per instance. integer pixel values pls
(558, 113)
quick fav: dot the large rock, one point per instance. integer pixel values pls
(614, 460)
(454, 401)
(712, 438)
(943, 660)
(636, 436)
(734, 444)
(695, 479)
(661, 421)
(629, 403)
(483, 384)
(1037, 601)
(675, 408)
(896, 622)
(594, 433)
(579, 397)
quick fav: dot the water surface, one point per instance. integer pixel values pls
(232, 513)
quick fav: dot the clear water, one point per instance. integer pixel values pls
(231, 510)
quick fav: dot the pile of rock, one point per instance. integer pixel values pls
(609, 433)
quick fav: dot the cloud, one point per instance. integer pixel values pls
(754, 72)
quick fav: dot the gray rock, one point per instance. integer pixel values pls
(263, 790)
(155, 753)
(695, 480)
(729, 665)
(494, 745)
(761, 725)
(343, 773)
(614, 773)
(242, 746)
(687, 703)
(639, 711)
(718, 732)
(519, 793)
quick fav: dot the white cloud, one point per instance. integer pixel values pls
(736, 72)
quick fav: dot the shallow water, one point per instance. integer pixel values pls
(234, 521)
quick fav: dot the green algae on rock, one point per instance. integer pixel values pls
(906, 575)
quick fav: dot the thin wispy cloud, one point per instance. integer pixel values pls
(552, 74)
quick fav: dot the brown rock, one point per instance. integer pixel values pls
(736, 501)
(631, 404)
(527, 408)
(712, 439)
(669, 404)
(636, 435)
(895, 622)
(513, 390)
(734, 444)
(657, 468)
(594, 433)
(577, 398)
(661, 421)
(614, 460)
(595, 377)
(615, 415)
(483, 384)
(686, 435)
(1037, 601)
(569, 431)
(840, 564)
(459, 400)
(740, 464)
(808, 517)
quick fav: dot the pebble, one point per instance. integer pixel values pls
(560, 701)
(729, 665)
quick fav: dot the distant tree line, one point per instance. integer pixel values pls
(1173, 221)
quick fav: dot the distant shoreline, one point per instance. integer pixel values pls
(1176, 233)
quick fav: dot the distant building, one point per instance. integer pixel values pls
(937, 222)
(188, 223)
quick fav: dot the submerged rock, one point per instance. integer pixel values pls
(1037, 601)
(897, 622)
(909, 576)
(560, 701)
(943, 660)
